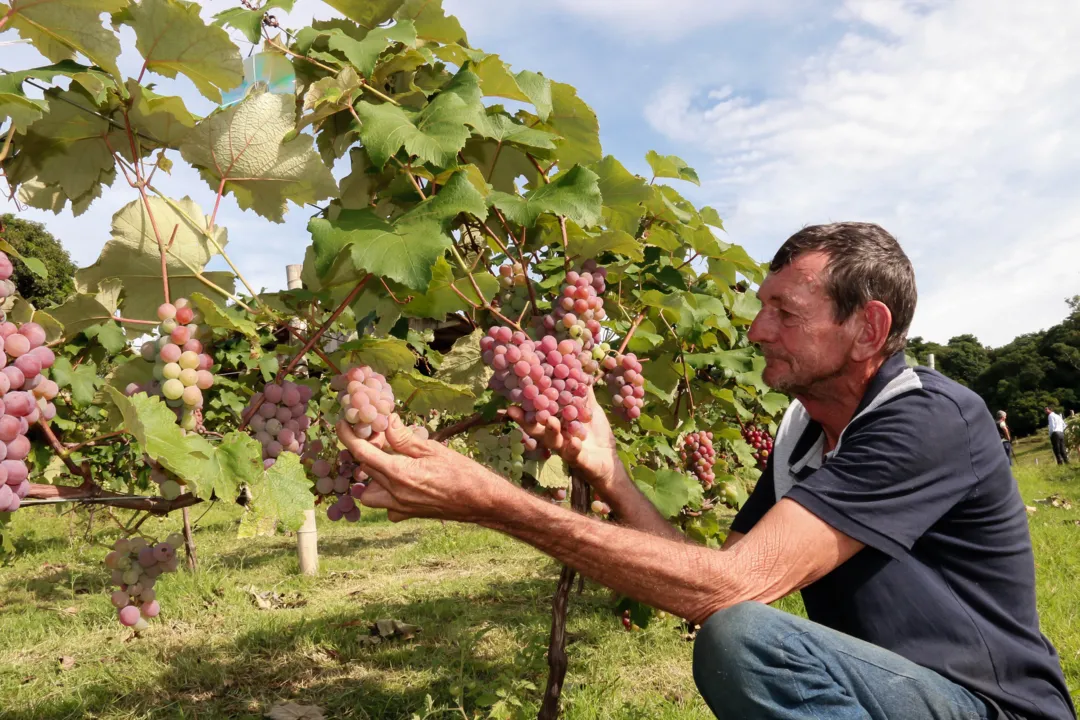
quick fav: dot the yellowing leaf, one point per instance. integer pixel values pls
(61, 28)
(246, 147)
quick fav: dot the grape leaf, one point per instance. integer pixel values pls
(435, 134)
(133, 258)
(623, 195)
(711, 217)
(231, 318)
(282, 492)
(79, 312)
(576, 122)
(363, 54)
(432, 23)
(500, 127)
(574, 193)
(82, 380)
(174, 39)
(60, 28)
(33, 264)
(246, 147)
(463, 365)
(16, 105)
(359, 241)
(772, 402)
(553, 473)
(422, 394)
(458, 195)
(384, 355)
(496, 80)
(164, 118)
(367, 13)
(538, 89)
(110, 335)
(668, 490)
(746, 307)
(249, 22)
(670, 166)
(236, 460)
(440, 299)
(583, 246)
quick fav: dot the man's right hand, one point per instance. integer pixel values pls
(595, 456)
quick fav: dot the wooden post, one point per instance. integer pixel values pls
(307, 537)
(930, 361)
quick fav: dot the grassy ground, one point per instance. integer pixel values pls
(481, 602)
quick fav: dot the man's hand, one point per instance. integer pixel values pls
(595, 456)
(425, 478)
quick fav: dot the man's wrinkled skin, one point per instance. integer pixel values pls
(826, 364)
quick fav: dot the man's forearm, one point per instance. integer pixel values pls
(688, 580)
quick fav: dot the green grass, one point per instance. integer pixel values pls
(481, 602)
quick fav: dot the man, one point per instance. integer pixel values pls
(886, 501)
(1056, 424)
(1006, 436)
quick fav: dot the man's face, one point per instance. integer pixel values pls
(796, 329)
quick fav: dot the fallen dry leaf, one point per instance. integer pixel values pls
(66, 662)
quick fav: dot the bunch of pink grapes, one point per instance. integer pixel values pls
(26, 397)
(366, 400)
(699, 456)
(626, 384)
(136, 565)
(7, 286)
(577, 312)
(281, 422)
(182, 367)
(340, 483)
(547, 378)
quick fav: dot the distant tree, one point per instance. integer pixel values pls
(33, 240)
(964, 359)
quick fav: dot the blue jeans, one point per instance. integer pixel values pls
(753, 662)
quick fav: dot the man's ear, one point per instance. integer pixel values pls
(875, 322)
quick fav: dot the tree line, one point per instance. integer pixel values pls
(1032, 372)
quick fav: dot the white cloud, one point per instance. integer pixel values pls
(949, 122)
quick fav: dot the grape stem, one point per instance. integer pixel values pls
(479, 293)
(75, 447)
(630, 333)
(318, 351)
(473, 421)
(41, 494)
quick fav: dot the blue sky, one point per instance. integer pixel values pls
(949, 122)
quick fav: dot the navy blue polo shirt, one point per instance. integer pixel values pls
(947, 577)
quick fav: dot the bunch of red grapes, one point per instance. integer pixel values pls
(25, 398)
(343, 482)
(7, 286)
(280, 423)
(136, 565)
(699, 456)
(181, 364)
(760, 440)
(577, 312)
(626, 384)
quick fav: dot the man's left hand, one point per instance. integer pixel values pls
(424, 479)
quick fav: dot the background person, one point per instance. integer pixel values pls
(1006, 436)
(886, 500)
(1056, 424)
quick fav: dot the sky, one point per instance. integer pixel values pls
(951, 123)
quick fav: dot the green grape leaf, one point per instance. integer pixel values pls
(422, 394)
(249, 22)
(668, 490)
(281, 493)
(669, 166)
(496, 80)
(576, 123)
(172, 39)
(164, 118)
(711, 217)
(16, 105)
(502, 128)
(500, 164)
(440, 299)
(235, 461)
(230, 318)
(435, 134)
(79, 312)
(740, 360)
(737, 256)
(65, 147)
(60, 28)
(584, 246)
(553, 473)
(363, 54)
(82, 381)
(574, 193)
(746, 307)
(463, 365)
(369, 14)
(245, 147)
(538, 89)
(33, 264)
(385, 355)
(773, 402)
(359, 241)
(623, 194)
(432, 23)
(458, 195)
(132, 256)
(110, 335)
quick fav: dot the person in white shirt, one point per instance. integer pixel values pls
(1057, 436)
